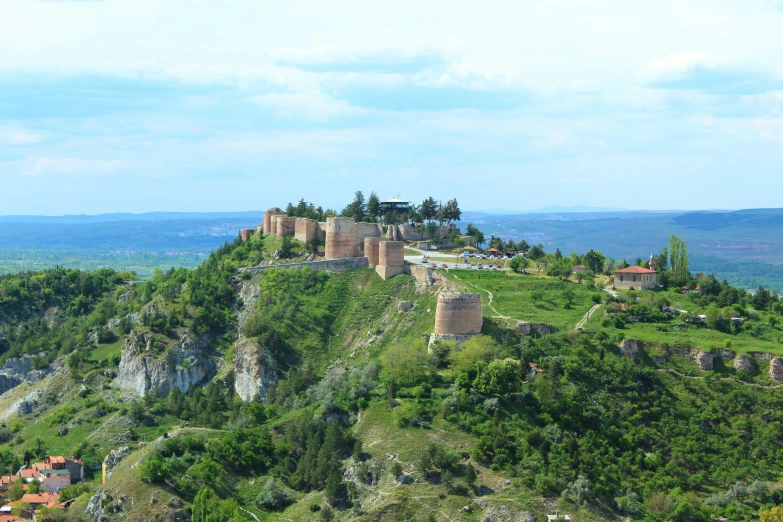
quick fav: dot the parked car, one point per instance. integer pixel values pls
(480, 267)
(423, 259)
(444, 265)
(434, 265)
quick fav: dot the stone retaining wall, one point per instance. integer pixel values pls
(332, 265)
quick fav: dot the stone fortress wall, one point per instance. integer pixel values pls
(306, 230)
(371, 250)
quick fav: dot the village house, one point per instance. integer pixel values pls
(579, 268)
(55, 483)
(74, 467)
(636, 277)
(39, 500)
(6, 481)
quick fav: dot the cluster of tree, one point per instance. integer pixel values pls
(363, 210)
(307, 210)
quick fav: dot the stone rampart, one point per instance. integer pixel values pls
(458, 314)
(332, 265)
(371, 250)
(267, 223)
(305, 230)
(340, 238)
(365, 230)
(245, 233)
(286, 226)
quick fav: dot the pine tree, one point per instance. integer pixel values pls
(373, 206)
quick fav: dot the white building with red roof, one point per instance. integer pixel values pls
(636, 277)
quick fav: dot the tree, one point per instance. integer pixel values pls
(428, 209)
(678, 253)
(479, 238)
(502, 376)
(373, 206)
(15, 490)
(204, 504)
(519, 264)
(579, 490)
(480, 348)
(286, 249)
(452, 212)
(357, 209)
(34, 487)
(772, 515)
(536, 252)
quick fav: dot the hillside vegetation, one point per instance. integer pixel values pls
(364, 421)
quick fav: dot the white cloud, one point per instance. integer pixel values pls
(677, 66)
(311, 105)
(74, 166)
(15, 134)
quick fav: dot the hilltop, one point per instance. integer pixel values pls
(296, 394)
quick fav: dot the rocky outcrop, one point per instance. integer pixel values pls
(629, 348)
(17, 370)
(185, 365)
(253, 370)
(776, 369)
(744, 363)
(705, 360)
(405, 306)
(526, 328)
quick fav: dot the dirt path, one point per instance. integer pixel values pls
(587, 316)
(497, 315)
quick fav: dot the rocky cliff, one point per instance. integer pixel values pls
(186, 364)
(253, 369)
(253, 364)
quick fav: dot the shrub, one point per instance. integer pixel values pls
(274, 496)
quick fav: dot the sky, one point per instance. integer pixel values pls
(195, 105)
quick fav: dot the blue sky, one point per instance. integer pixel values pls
(196, 105)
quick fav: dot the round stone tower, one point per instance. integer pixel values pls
(458, 314)
(371, 250)
(267, 223)
(340, 238)
(286, 226)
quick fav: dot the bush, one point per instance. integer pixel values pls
(274, 496)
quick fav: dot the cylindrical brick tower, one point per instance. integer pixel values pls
(268, 220)
(286, 226)
(371, 250)
(340, 238)
(391, 253)
(458, 314)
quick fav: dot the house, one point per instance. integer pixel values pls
(29, 474)
(6, 481)
(636, 277)
(494, 251)
(6, 517)
(579, 268)
(38, 500)
(558, 516)
(395, 206)
(55, 483)
(74, 466)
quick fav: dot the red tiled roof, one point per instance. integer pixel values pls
(40, 498)
(29, 473)
(80, 462)
(55, 460)
(7, 479)
(635, 270)
(10, 518)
